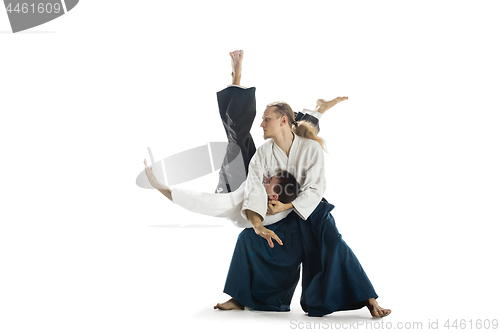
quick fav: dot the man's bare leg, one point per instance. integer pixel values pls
(236, 64)
(322, 106)
(231, 304)
(375, 309)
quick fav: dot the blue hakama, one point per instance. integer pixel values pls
(264, 278)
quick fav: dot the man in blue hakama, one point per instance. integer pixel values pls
(264, 277)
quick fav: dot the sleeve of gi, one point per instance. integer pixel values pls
(255, 198)
(314, 185)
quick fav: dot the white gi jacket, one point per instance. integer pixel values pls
(305, 162)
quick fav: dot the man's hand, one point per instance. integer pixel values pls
(155, 183)
(259, 229)
(275, 207)
(152, 179)
(267, 234)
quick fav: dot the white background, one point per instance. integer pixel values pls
(412, 162)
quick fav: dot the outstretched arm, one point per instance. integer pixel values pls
(155, 183)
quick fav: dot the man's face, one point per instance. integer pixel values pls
(269, 184)
(270, 122)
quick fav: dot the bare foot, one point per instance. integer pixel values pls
(376, 310)
(322, 106)
(232, 304)
(236, 64)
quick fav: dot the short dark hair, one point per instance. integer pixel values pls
(287, 188)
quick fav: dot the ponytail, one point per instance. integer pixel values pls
(307, 130)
